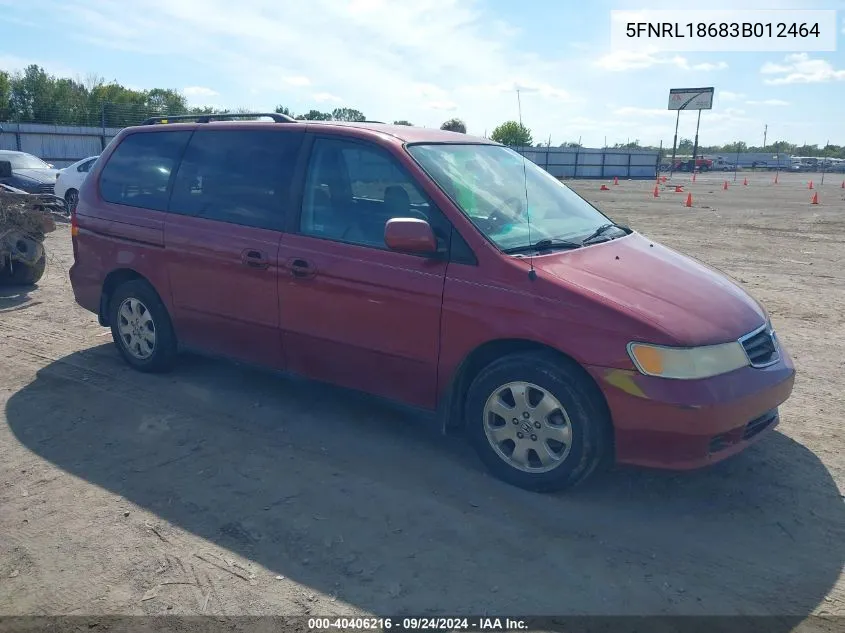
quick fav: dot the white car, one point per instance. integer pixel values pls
(70, 178)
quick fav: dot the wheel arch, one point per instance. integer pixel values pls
(453, 399)
(112, 281)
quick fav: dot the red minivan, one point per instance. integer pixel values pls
(432, 268)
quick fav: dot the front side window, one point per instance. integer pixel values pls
(507, 197)
(237, 176)
(138, 172)
(353, 189)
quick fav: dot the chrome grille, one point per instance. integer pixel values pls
(761, 347)
(46, 188)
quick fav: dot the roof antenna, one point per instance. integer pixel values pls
(532, 274)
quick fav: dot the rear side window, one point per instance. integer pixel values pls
(237, 176)
(138, 172)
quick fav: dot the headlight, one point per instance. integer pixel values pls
(687, 363)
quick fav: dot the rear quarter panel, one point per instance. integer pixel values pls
(114, 237)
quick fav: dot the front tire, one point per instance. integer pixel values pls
(538, 422)
(141, 327)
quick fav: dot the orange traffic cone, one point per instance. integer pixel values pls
(815, 199)
(725, 186)
(745, 181)
(688, 203)
(604, 188)
(693, 176)
(616, 180)
(679, 189)
(810, 185)
(656, 192)
(663, 180)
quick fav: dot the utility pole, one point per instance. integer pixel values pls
(695, 146)
(765, 131)
(674, 144)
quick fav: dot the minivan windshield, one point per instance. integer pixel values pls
(491, 184)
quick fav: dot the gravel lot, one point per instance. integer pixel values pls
(224, 490)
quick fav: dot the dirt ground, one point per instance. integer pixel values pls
(223, 490)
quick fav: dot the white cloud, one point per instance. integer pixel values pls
(707, 66)
(297, 80)
(448, 106)
(801, 69)
(326, 97)
(636, 60)
(375, 53)
(768, 102)
(199, 91)
(628, 111)
(528, 87)
(13, 63)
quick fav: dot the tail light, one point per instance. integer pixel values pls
(74, 224)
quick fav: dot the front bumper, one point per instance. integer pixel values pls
(687, 424)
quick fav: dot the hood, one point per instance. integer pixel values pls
(692, 303)
(46, 176)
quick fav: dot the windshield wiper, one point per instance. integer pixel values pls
(600, 231)
(543, 245)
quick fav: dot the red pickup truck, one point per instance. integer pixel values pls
(701, 164)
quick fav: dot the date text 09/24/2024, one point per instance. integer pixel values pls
(678, 30)
(405, 623)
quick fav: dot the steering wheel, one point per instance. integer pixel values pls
(500, 217)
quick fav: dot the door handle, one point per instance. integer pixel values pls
(254, 259)
(301, 268)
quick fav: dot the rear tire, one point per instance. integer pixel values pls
(71, 200)
(556, 440)
(141, 327)
(20, 274)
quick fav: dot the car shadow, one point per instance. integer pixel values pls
(361, 500)
(15, 297)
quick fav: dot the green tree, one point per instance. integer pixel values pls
(685, 146)
(455, 125)
(629, 145)
(733, 148)
(572, 144)
(314, 115)
(402, 122)
(512, 133)
(5, 96)
(166, 101)
(32, 92)
(347, 114)
(283, 110)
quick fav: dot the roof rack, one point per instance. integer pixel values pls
(206, 118)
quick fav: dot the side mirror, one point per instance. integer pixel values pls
(410, 235)
(5, 169)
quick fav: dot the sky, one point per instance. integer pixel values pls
(430, 60)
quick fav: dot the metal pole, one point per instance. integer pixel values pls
(736, 162)
(103, 123)
(695, 144)
(674, 145)
(659, 159)
(765, 131)
(824, 161)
